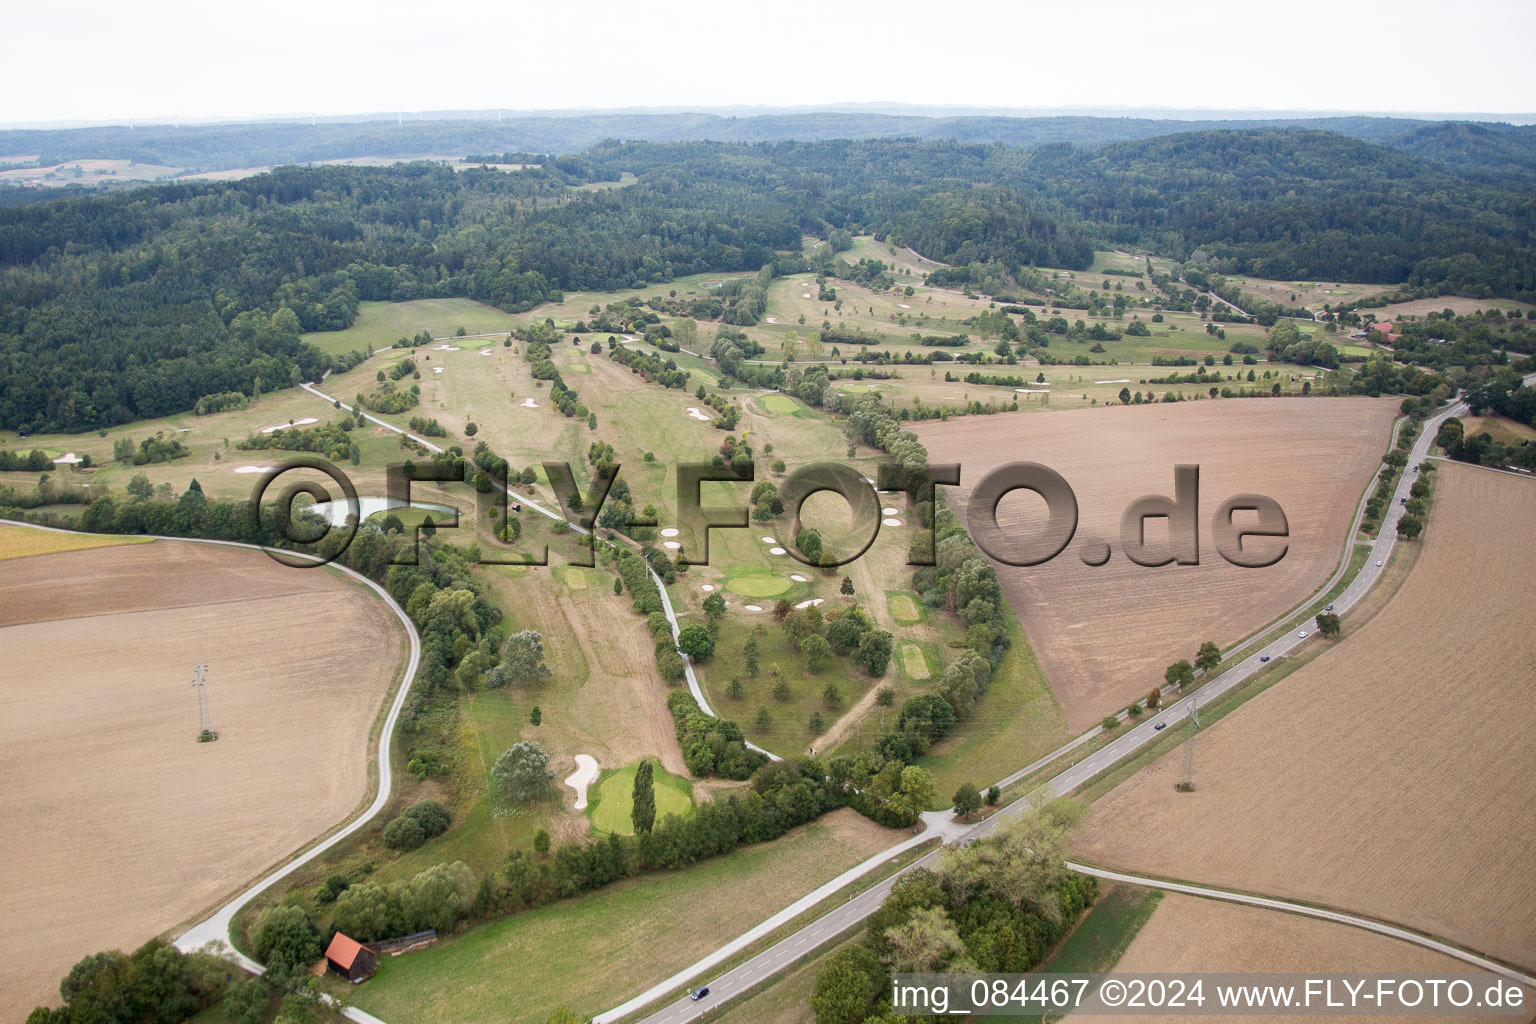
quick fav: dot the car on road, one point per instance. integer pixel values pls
(1263, 657)
(1160, 725)
(1328, 609)
(1378, 561)
(1301, 634)
(699, 993)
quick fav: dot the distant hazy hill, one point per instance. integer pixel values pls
(1482, 147)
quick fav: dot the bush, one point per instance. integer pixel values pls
(432, 816)
(404, 834)
(711, 746)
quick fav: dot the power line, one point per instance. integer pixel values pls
(205, 733)
(1187, 779)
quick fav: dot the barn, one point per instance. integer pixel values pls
(351, 959)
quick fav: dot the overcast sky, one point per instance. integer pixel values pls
(110, 61)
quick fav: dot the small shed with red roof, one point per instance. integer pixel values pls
(351, 959)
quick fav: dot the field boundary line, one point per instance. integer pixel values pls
(1306, 910)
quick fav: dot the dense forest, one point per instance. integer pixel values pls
(140, 303)
(208, 147)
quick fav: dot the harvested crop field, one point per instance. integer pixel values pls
(1187, 934)
(22, 541)
(1391, 776)
(120, 825)
(1104, 635)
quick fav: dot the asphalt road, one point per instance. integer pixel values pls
(848, 916)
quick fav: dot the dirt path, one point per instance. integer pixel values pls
(848, 722)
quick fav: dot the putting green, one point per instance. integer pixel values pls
(612, 800)
(904, 609)
(757, 586)
(577, 366)
(778, 403)
(913, 661)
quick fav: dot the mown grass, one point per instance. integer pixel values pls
(612, 801)
(381, 324)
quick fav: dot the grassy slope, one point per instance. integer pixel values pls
(593, 952)
(381, 324)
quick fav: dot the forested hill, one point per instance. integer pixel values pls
(225, 146)
(1298, 205)
(136, 304)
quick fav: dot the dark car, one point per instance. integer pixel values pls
(699, 993)
(1263, 657)
(1160, 725)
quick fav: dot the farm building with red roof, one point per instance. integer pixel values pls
(351, 959)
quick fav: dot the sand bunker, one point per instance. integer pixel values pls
(68, 460)
(753, 607)
(777, 551)
(903, 305)
(446, 348)
(798, 578)
(888, 521)
(437, 369)
(529, 403)
(252, 469)
(707, 587)
(584, 775)
(769, 540)
(671, 545)
(670, 531)
(694, 413)
(487, 351)
(813, 602)
(890, 512)
(285, 426)
(1125, 380)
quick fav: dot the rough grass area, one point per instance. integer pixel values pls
(1100, 938)
(594, 952)
(1015, 721)
(613, 799)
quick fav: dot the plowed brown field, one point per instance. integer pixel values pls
(1391, 776)
(118, 824)
(1190, 934)
(1104, 635)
